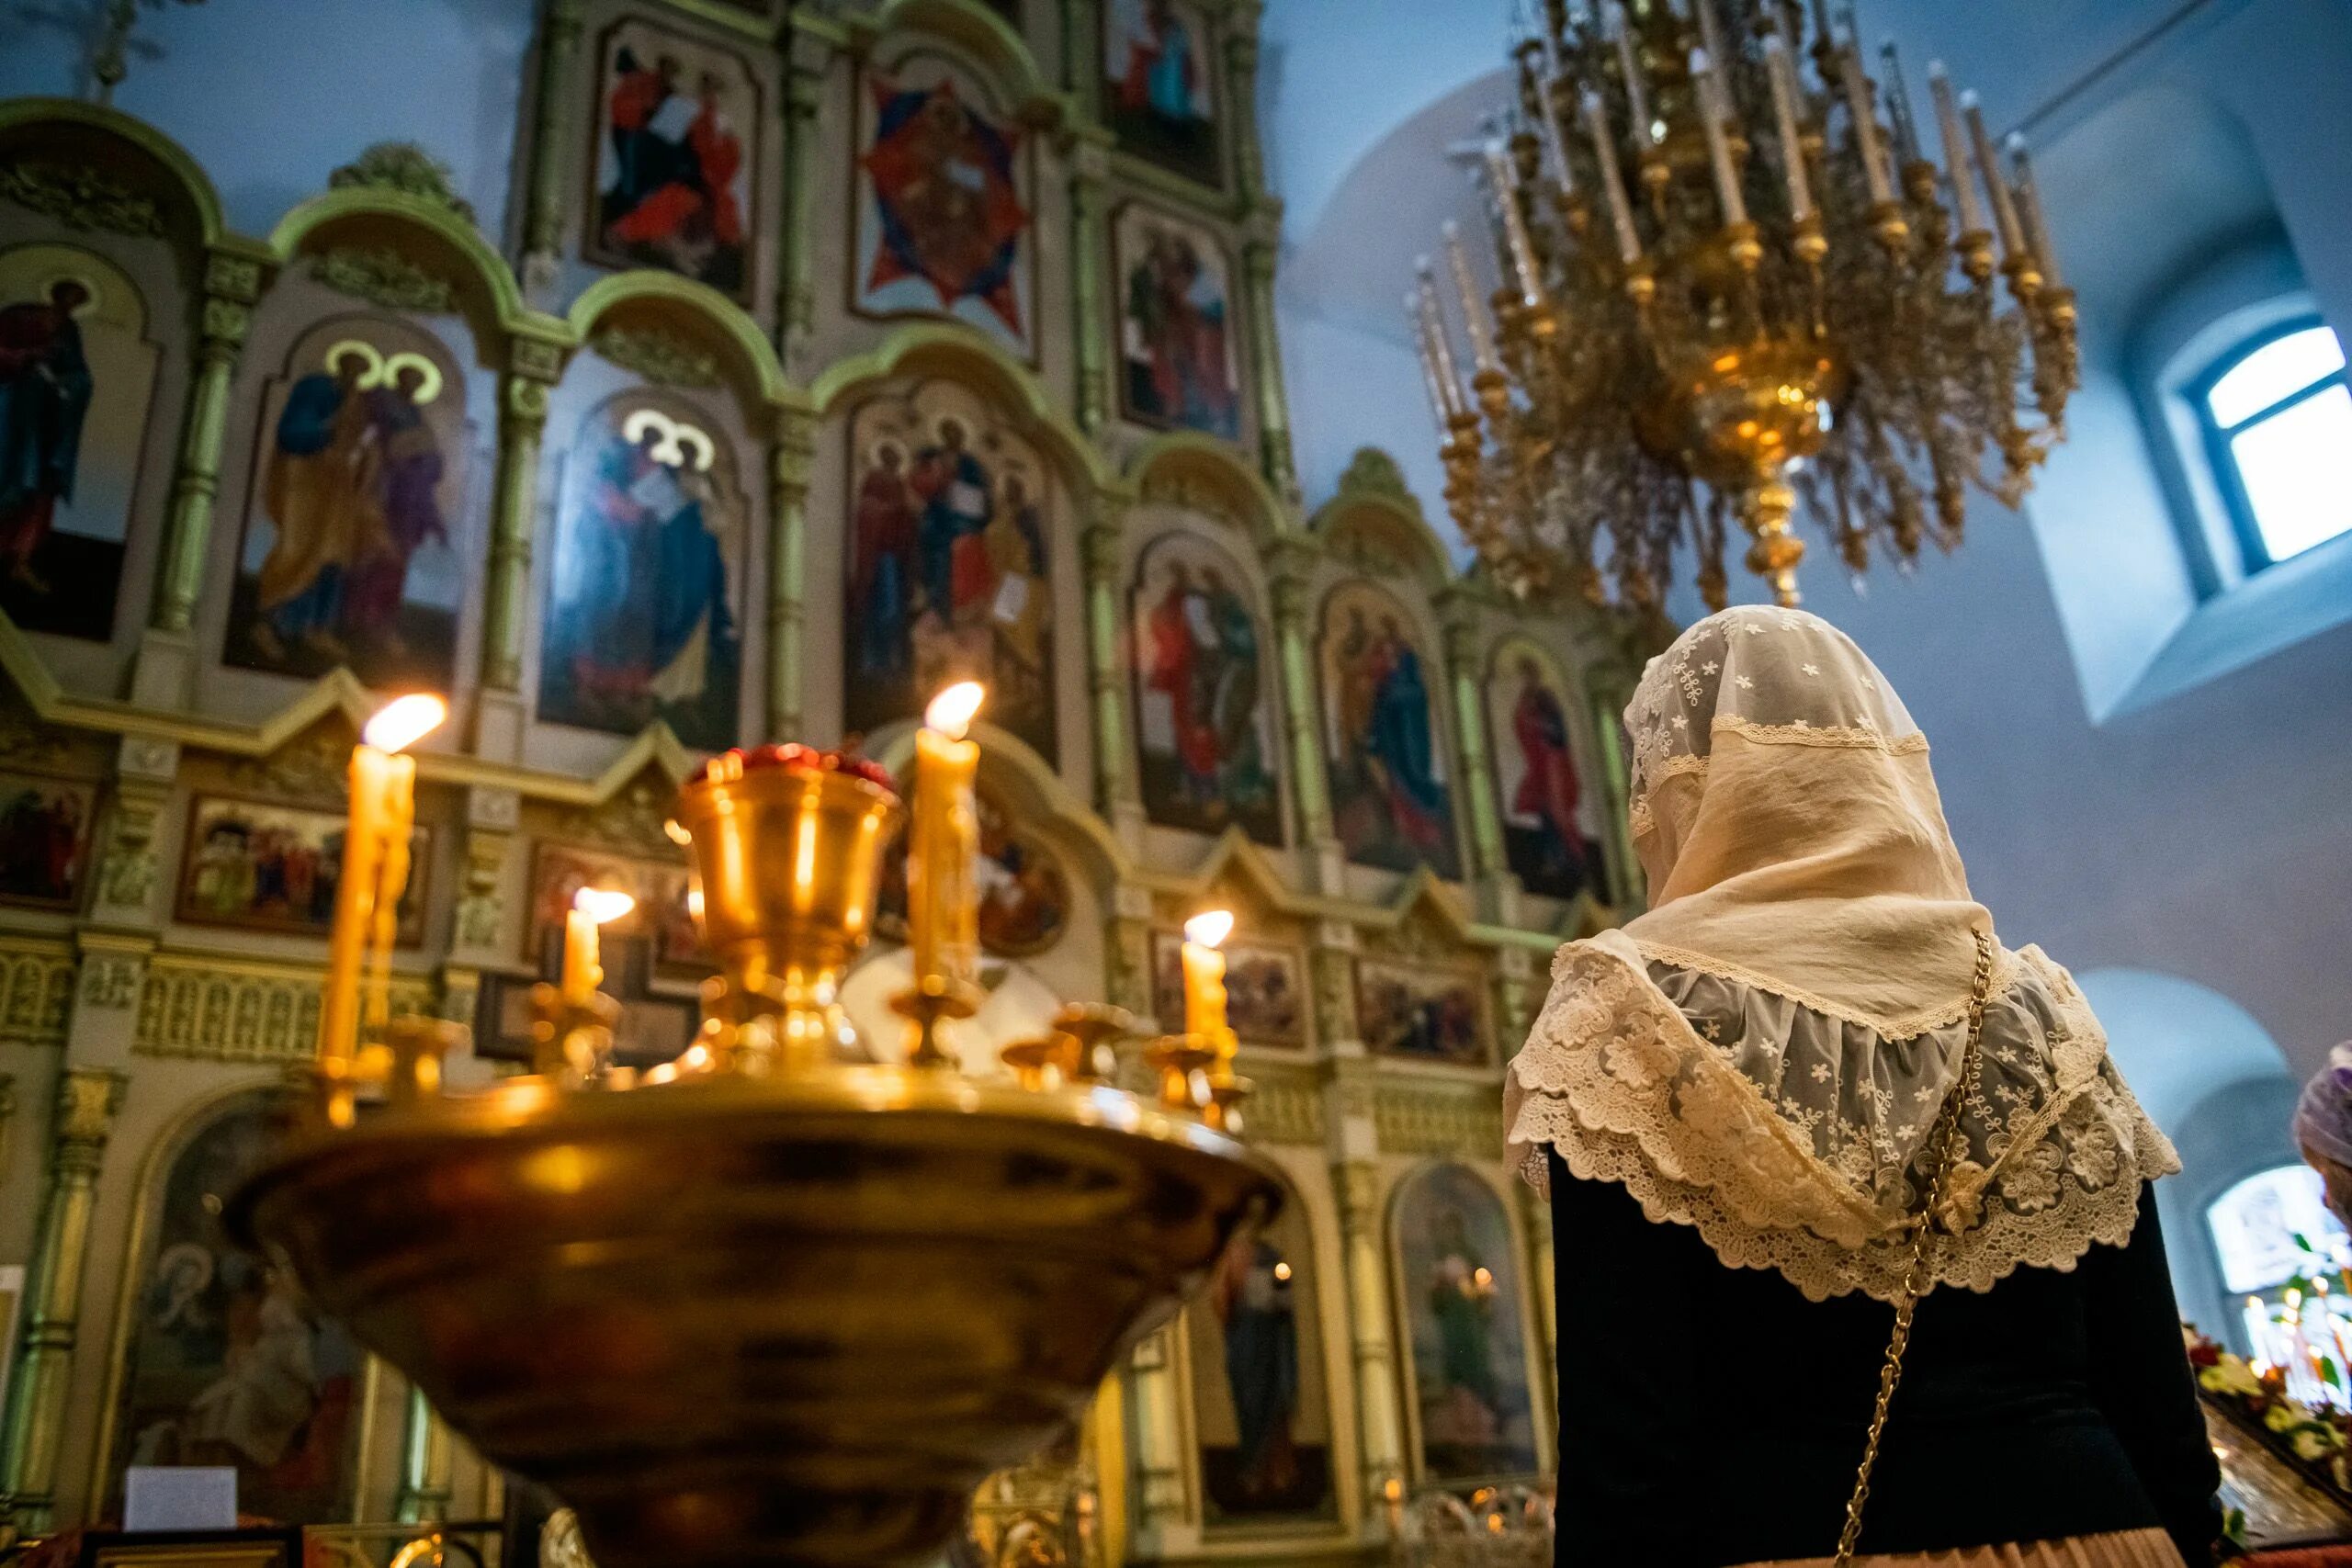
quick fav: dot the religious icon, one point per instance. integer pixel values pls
(44, 839)
(943, 216)
(274, 868)
(1176, 339)
(1459, 1285)
(350, 556)
(1265, 993)
(76, 377)
(677, 134)
(1551, 836)
(1432, 1015)
(949, 562)
(663, 911)
(1024, 896)
(1390, 803)
(1156, 68)
(644, 599)
(228, 1364)
(1259, 1402)
(1204, 730)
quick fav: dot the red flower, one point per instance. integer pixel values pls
(804, 758)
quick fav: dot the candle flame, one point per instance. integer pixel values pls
(677, 833)
(1281, 1271)
(951, 712)
(404, 721)
(694, 902)
(603, 904)
(1210, 928)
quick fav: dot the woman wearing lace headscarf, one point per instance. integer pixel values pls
(2323, 1128)
(1741, 1104)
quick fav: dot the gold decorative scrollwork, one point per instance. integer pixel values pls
(385, 277)
(80, 198)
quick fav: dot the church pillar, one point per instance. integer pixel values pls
(1082, 57)
(1480, 806)
(806, 61)
(1159, 1441)
(1265, 350)
(1535, 1218)
(551, 146)
(514, 514)
(1240, 99)
(87, 1101)
(232, 285)
(1356, 1182)
(1114, 784)
(427, 1461)
(790, 461)
(1310, 787)
(1089, 149)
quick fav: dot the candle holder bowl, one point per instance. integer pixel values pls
(736, 1320)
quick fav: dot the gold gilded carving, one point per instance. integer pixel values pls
(1418, 1121)
(405, 167)
(383, 276)
(1373, 472)
(80, 198)
(24, 742)
(659, 356)
(479, 908)
(1335, 993)
(633, 819)
(1285, 1108)
(535, 361)
(128, 868)
(313, 766)
(216, 1012)
(236, 279)
(1195, 492)
(110, 980)
(35, 993)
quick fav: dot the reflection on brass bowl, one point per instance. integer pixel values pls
(734, 1321)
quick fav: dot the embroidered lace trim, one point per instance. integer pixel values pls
(2005, 972)
(1861, 737)
(1615, 1078)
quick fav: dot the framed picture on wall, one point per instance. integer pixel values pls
(1266, 990)
(1160, 85)
(1426, 1012)
(44, 839)
(274, 868)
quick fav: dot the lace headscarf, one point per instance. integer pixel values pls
(1761, 1054)
(2323, 1113)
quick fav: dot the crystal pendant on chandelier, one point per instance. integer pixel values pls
(1729, 289)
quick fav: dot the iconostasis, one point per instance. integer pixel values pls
(822, 357)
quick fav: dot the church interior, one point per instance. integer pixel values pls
(639, 395)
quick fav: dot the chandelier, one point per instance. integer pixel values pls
(1729, 285)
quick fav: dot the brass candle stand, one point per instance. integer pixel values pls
(774, 1306)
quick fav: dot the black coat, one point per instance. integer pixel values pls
(1711, 1415)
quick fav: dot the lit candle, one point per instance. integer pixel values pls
(1710, 119)
(1523, 248)
(584, 959)
(942, 894)
(1781, 71)
(1621, 210)
(1629, 60)
(1962, 168)
(368, 886)
(1898, 103)
(1433, 332)
(2037, 226)
(1465, 288)
(1205, 980)
(2005, 211)
(1866, 141)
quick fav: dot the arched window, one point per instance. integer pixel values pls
(2276, 417)
(2284, 1254)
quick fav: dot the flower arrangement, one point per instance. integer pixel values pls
(2315, 1440)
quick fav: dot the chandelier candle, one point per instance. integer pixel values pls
(1781, 71)
(1866, 140)
(1967, 205)
(943, 897)
(1474, 308)
(367, 890)
(1710, 121)
(1629, 60)
(1604, 152)
(1433, 332)
(2037, 227)
(1515, 235)
(2005, 211)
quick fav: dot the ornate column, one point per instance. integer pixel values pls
(1114, 786)
(551, 142)
(1126, 958)
(1159, 1440)
(532, 367)
(789, 462)
(426, 1459)
(1081, 57)
(1535, 1217)
(1287, 568)
(88, 1099)
(1356, 1183)
(232, 284)
(1241, 17)
(807, 57)
(1257, 251)
(128, 868)
(1461, 626)
(1088, 149)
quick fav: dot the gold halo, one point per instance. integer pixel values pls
(705, 450)
(91, 293)
(367, 351)
(402, 361)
